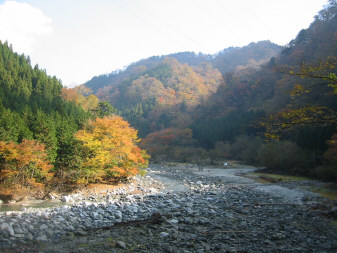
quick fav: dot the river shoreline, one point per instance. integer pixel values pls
(202, 211)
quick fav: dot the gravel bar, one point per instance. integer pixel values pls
(198, 213)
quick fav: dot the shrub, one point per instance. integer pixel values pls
(281, 156)
(245, 148)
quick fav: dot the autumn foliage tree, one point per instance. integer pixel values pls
(110, 150)
(172, 144)
(303, 111)
(88, 103)
(24, 164)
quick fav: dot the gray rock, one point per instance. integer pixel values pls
(43, 227)
(163, 234)
(278, 236)
(118, 215)
(17, 230)
(87, 224)
(173, 221)
(197, 218)
(65, 209)
(49, 233)
(6, 229)
(229, 215)
(29, 236)
(86, 204)
(95, 216)
(67, 199)
(121, 244)
(41, 238)
(45, 215)
(81, 233)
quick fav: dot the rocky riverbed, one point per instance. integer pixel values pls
(178, 209)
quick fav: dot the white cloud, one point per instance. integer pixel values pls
(21, 24)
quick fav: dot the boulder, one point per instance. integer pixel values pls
(67, 199)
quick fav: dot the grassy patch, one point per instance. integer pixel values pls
(274, 178)
(327, 190)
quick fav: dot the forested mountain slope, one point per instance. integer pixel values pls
(295, 91)
(227, 60)
(235, 59)
(162, 91)
(189, 106)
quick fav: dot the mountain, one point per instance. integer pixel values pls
(163, 95)
(295, 91)
(161, 91)
(267, 88)
(190, 106)
(227, 60)
(235, 59)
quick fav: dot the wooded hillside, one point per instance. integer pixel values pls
(189, 106)
(43, 143)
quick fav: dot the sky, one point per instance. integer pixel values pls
(76, 40)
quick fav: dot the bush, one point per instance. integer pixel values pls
(221, 151)
(284, 156)
(328, 173)
(245, 148)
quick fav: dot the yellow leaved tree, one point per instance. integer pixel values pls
(110, 150)
(310, 110)
(23, 164)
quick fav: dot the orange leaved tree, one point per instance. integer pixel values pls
(110, 149)
(24, 164)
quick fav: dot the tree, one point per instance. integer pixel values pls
(69, 153)
(283, 156)
(324, 70)
(329, 172)
(304, 112)
(111, 151)
(70, 95)
(24, 164)
(171, 143)
(88, 103)
(245, 148)
(103, 109)
(44, 130)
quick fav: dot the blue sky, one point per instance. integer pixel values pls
(78, 39)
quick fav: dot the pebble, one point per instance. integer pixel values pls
(67, 199)
(205, 216)
(164, 234)
(121, 244)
